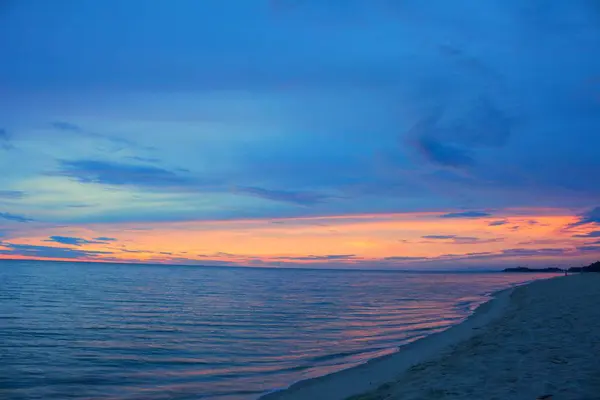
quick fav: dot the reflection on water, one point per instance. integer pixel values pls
(84, 331)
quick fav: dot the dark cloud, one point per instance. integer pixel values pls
(401, 258)
(438, 236)
(105, 239)
(498, 223)
(542, 241)
(589, 248)
(454, 143)
(112, 173)
(593, 234)
(444, 154)
(338, 257)
(589, 217)
(74, 241)
(295, 197)
(484, 125)
(466, 214)
(534, 252)
(48, 251)
(66, 126)
(462, 239)
(14, 217)
(11, 194)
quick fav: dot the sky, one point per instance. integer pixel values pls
(301, 133)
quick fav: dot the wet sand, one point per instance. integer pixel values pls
(541, 338)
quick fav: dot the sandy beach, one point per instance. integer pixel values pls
(537, 339)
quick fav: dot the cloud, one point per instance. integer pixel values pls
(444, 154)
(14, 217)
(466, 214)
(48, 251)
(295, 197)
(329, 257)
(74, 241)
(118, 143)
(105, 239)
(11, 194)
(498, 223)
(589, 248)
(542, 241)
(152, 160)
(534, 252)
(589, 217)
(438, 236)
(593, 234)
(462, 239)
(113, 173)
(5, 142)
(424, 137)
(453, 143)
(66, 126)
(401, 258)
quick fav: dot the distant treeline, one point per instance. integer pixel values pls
(594, 267)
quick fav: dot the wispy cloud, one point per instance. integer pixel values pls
(498, 223)
(466, 214)
(462, 239)
(11, 194)
(66, 126)
(593, 234)
(295, 197)
(329, 257)
(74, 241)
(106, 239)
(48, 251)
(522, 252)
(441, 237)
(114, 173)
(405, 259)
(14, 217)
(594, 249)
(453, 143)
(589, 217)
(5, 141)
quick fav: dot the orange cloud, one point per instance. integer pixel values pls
(352, 239)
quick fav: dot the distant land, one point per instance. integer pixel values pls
(525, 269)
(594, 267)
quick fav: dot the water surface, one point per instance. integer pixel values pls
(102, 331)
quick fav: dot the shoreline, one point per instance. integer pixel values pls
(530, 340)
(378, 371)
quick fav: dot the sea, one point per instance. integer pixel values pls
(150, 332)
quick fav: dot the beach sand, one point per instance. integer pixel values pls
(541, 338)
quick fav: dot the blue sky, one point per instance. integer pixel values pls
(130, 112)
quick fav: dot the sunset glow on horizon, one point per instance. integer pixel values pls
(406, 240)
(375, 134)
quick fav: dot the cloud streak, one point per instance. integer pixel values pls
(14, 217)
(49, 252)
(73, 241)
(466, 214)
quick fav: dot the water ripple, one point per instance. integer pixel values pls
(83, 331)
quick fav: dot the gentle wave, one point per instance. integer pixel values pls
(164, 332)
